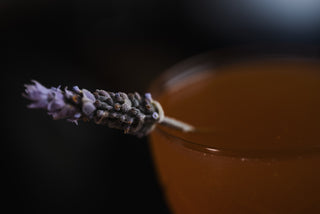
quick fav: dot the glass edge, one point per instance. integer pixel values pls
(212, 59)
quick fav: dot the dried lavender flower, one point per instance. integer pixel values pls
(132, 113)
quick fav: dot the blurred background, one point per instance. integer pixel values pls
(118, 45)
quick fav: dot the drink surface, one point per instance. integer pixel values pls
(267, 113)
(257, 107)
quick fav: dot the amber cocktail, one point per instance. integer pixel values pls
(257, 147)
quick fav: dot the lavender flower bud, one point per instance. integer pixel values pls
(55, 101)
(148, 96)
(88, 108)
(131, 112)
(37, 93)
(76, 89)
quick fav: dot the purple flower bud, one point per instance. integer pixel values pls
(148, 96)
(37, 93)
(88, 108)
(55, 105)
(68, 94)
(53, 99)
(155, 115)
(88, 96)
(99, 113)
(88, 100)
(56, 100)
(77, 115)
(76, 89)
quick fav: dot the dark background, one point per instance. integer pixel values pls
(118, 45)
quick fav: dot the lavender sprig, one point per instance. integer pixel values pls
(132, 113)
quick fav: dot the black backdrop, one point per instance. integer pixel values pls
(119, 45)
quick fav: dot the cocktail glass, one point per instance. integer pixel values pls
(257, 144)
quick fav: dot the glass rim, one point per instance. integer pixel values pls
(200, 63)
(224, 56)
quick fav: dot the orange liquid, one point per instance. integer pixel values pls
(259, 130)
